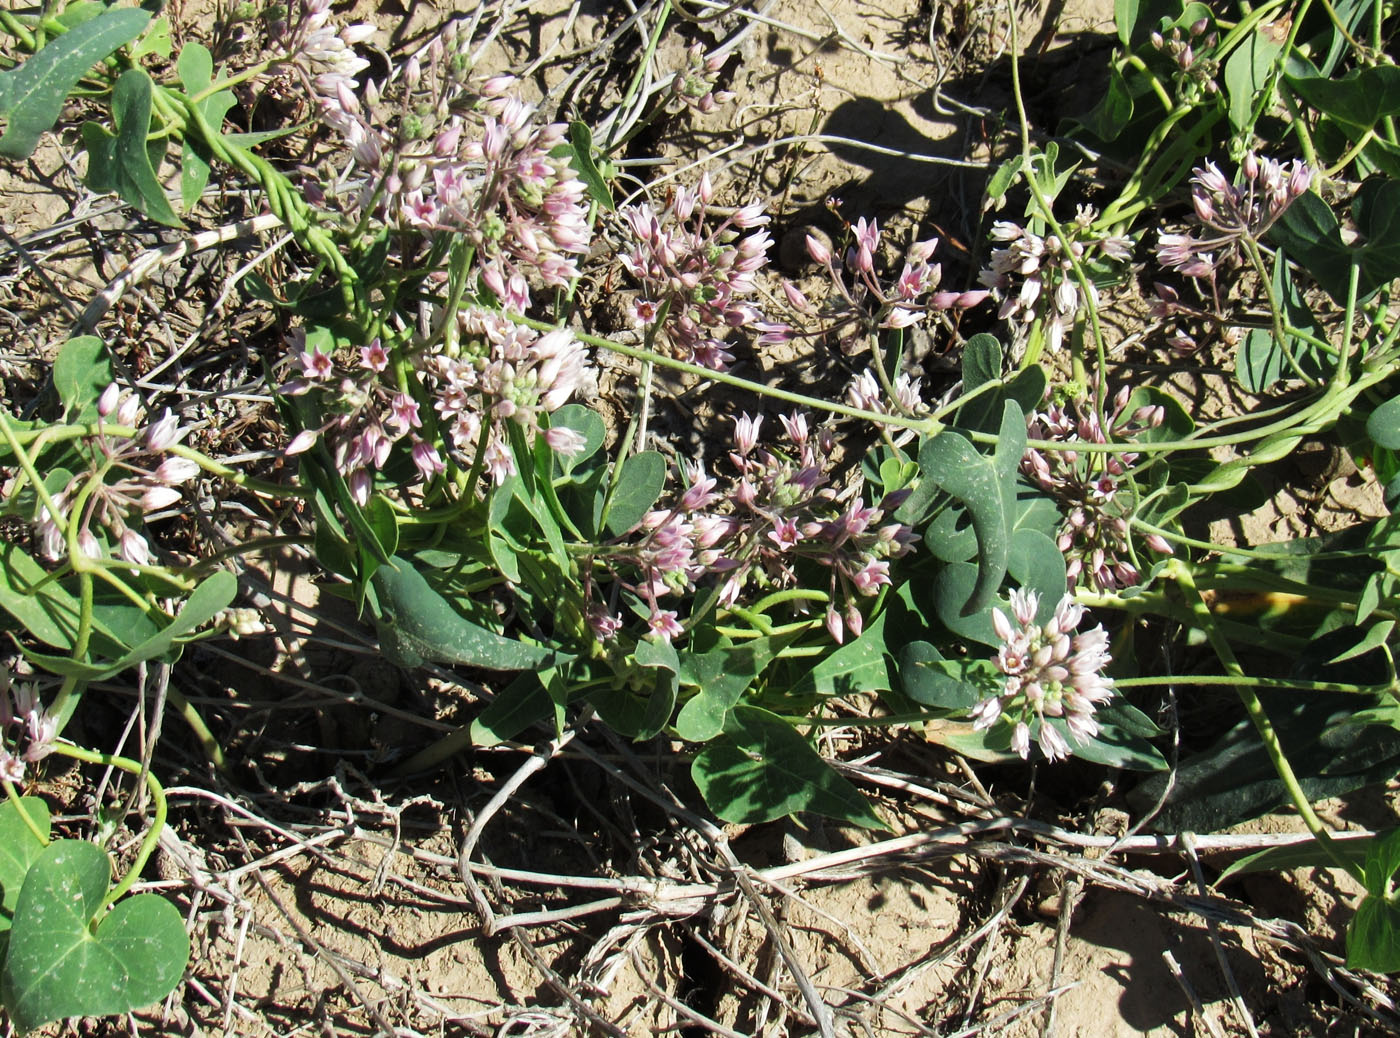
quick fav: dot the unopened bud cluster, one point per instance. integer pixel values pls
(1091, 490)
(1193, 58)
(694, 86)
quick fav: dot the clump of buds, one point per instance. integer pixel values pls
(1092, 490)
(1193, 58)
(694, 86)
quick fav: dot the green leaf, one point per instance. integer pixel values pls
(587, 424)
(59, 965)
(1373, 938)
(517, 706)
(1111, 116)
(19, 849)
(722, 675)
(125, 162)
(1260, 362)
(1358, 100)
(418, 624)
(1383, 426)
(1382, 861)
(195, 67)
(638, 486)
(156, 40)
(1000, 182)
(987, 486)
(1310, 232)
(1176, 424)
(1247, 72)
(213, 595)
(1305, 855)
(49, 613)
(981, 361)
(1114, 746)
(638, 713)
(760, 769)
(81, 371)
(1038, 565)
(953, 591)
(32, 95)
(929, 679)
(857, 666)
(581, 158)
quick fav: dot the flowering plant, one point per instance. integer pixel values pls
(921, 554)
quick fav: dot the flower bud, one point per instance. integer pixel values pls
(107, 402)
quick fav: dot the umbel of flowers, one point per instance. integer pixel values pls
(1048, 671)
(776, 515)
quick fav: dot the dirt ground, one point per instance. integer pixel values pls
(324, 894)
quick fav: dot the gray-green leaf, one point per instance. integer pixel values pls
(32, 95)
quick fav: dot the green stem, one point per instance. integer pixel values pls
(1235, 681)
(1180, 572)
(29, 823)
(193, 718)
(148, 844)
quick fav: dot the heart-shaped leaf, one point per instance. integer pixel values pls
(19, 848)
(638, 486)
(760, 769)
(126, 162)
(1357, 100)
(60, 965)
(987, 486)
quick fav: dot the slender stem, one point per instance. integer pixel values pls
(148, 844)
(29, 823)
(1180, 572)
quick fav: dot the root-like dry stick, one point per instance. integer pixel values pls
(1174, 968)
(560, 986)
(1189, 847)
(534, 763)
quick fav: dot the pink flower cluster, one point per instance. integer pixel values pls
(366, 417)
(129, 478)
(862, 302)
(445, 154)
(1230, 213)
(323, 54)
(1048, 671)
(506, 374)
(501, 373)
(1090, 489)
(694, 281)
(1034, 275)
(23, 723)
(776, 517)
